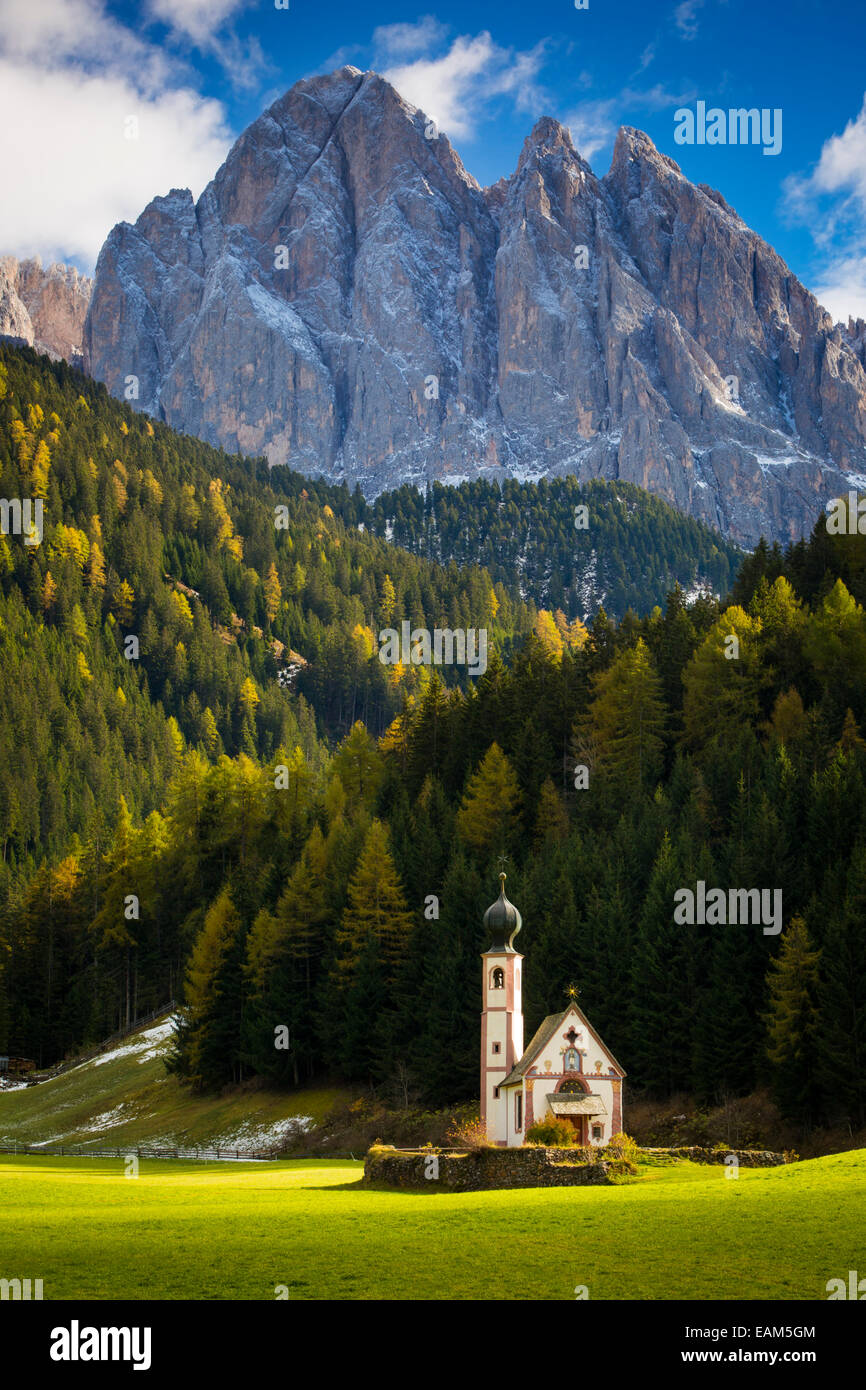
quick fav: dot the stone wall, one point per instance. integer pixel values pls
(487, 1168)
(532, 1166)
(747, 1158)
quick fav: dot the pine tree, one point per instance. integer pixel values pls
(792, 1023)
(723, 680)
(625, 723)
(662, 984)
(551, 821)
(212, 1026)
(49, 592)
(376, 908)
(358, 764)
(115, 928)
(842, 1002)
(443, 1033)
(488, 818)
(273, 593)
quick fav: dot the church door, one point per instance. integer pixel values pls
(577, 1123)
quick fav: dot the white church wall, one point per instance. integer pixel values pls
(514, 1137)
(496, 1115)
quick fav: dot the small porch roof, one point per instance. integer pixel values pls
(570, 1104)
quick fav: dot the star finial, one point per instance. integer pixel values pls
(572, 992)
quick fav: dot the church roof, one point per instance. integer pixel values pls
(543, 1036)
(503, 921)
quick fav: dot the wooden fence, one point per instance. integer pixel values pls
(221, 1155)
(46, 1073)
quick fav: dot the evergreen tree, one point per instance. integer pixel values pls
(792, 1023)
(214, 999)
(626, 722)
(842, 1002)
(488, 818)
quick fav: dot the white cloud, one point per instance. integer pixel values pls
(202, 24)
(594, 123)
(455, 87)
(199, 20)
(394, 41)
(685, 18)
(842, 288)
(656, 98)
(831, 201)
(842, 166)
(61, 31)
(70, 77)
(593, 126)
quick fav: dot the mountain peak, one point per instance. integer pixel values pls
(44, 306)
(548, 136)
(548, 131)
(344, 299)
(636, 144)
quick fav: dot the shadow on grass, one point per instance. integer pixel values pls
(360, 1186)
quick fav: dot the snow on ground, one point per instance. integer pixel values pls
(701, 588)
(766, 462)
(109, 1119)
(249, 1136)
(149, 1044)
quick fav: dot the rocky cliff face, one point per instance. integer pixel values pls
(345, 298)
(45, 308)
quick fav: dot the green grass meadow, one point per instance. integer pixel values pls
(238, 1230)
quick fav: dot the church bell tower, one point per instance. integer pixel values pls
(502, 1014)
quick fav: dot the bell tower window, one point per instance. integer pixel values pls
(499, 978)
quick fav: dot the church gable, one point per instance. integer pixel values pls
(566, 1042)
(569, 1073)
(572, 1045)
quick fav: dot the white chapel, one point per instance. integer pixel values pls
(565, 1071)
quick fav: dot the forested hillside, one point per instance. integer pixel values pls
(155, 536)
(279, 873)
(627, 551)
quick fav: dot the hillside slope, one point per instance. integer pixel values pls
(163, 604)
(627, 550)
(125, 1098)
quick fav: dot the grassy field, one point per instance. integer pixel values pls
(124, 1098)
(237, 1231)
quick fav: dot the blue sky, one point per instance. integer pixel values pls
(103, 105)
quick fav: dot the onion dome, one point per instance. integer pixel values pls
(502, 920)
